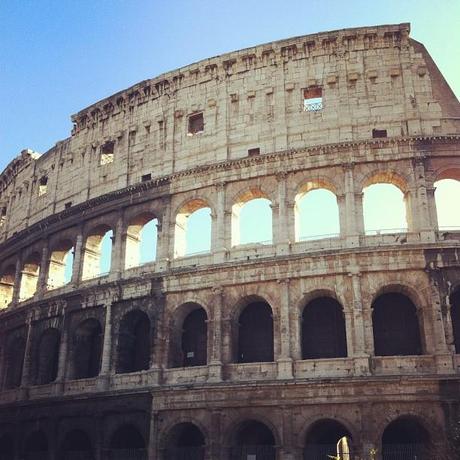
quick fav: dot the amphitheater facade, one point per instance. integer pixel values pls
(291, 349)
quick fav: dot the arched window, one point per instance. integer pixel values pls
(61, 265)
(127, 442)
(405, 438)
(36, 446)
(48, 356)
(29, 276)
(87, 349)
(134, 343)
(15, 351)
(7, 286)
(98, 253)
(327, 439)
(323, 329)
(252, 219)
(76, 446)
(316, 214)
(190, 339)
(253, 440)
(455, 317)
(192, 233)
(141, 241)
(255, 333)
(6, 447)
(446, 197)
(395, 325)
(384, 209)
(185, 441)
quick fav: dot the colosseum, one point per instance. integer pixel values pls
(193, 343)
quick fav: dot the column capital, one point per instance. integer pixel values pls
(281, 176)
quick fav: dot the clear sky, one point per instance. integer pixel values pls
(59, 56)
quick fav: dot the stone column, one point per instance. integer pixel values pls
(62, 359)
(287, 448)
(215, 450)
(77, 268)
(25, 378)
(354, 210)
(219, 228)
(359, 351)
(215, 334)
(42, 285)
(104, 374)
(118, 264)
(284, 360)
(431, 198)
(165, 243)
(17, 280)
(342, 205)
(153, 453)
(281, 228)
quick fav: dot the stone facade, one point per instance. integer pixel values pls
(99, 365)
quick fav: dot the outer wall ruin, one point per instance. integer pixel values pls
(247, 351)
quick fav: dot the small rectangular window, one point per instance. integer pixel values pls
(107, 153)
(146, 177)
(379, 133)
(42, 186)
(313, 99)
(68, 205)
(195, 124)
(253, 152)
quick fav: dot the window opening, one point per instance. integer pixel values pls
(313, 99)
(98, 253)
(42, 186)
(77, 445)
(195, 339)
(376, 133)
(195, 124)
(14, 362)
(146, 177)
(254, 440)
(107, 153)
(7, 286)
(61, 266)
(29, 277)
(88, 349)
(141, 241)
(455, 318)
(48, 354)
(446, 196)
(254, 152)
(127, 442)
(68, 205)
(185, 441)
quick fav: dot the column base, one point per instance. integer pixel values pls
(361, 365)
(444, 363)
(427, 236)
(215, 372)
(285, 369)
(220, 256)
(59, 387)
(352, 241)
(23, 393)
(103, 382)
(283, 248)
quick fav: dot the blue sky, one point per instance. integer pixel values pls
(59, 56)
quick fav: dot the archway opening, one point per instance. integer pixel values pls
(252, 219)
(395, 325)
(193, 229)
(316, 215)
(323, 329)
(87, 349)
(127, 443)
(77, 446)
(36, 446)
(60, 265)
(98, 253)
(6, 447)
(7, 286)
(385, 209)
(405, 439)
(328, 439)
(185, 442)
(134, 342)
(455, 318)
(446, 193)
(141, 241)
(14, 362)
(255, 333)
(48, 356)
(29, 277)
(253, 440)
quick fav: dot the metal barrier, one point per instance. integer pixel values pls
(253, 453)
(126, 454)
(185, 453)
(78, 455)
(405, 452)
(324, 452)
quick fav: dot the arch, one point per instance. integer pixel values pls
(253, 439)
(455, 317)
(395, 326)
(88, 349)
(252, 206)
(446, 192)
(323, 329)
(36, 446)
(29, 276)
(14, 361)
(7, 450)
(60, 264)
(189, 344)
(141, 240)
(48, 356)
(405, 438)
(316, 212)
(192, 233)
(185, 440)
(134, 342)
(97, 253)
(7, 286)
(385, 208)
(77, 445)
(127, 442)
(328, 438)
(255, 333)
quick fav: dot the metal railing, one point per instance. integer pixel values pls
(78, 455)
(126, 454)
(405, 452)
(315, 106)
(324, 452)
(385, 231)
(185, 453)
(253, 452)
(319, 237)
